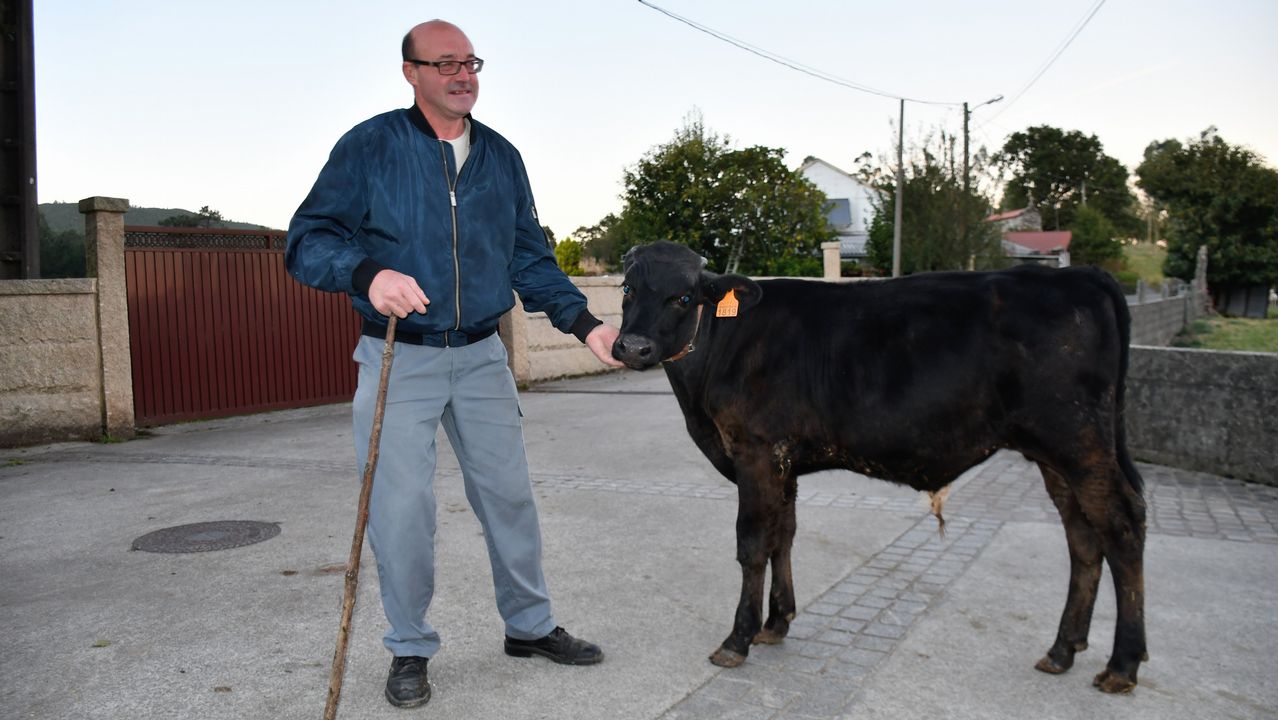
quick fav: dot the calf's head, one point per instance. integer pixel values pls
(665, 295)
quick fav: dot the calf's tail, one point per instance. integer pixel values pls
(1123, 321)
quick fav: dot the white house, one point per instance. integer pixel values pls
(850, 209)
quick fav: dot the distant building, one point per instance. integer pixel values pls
(1024, 240)
(1024, 220)
(851, 205)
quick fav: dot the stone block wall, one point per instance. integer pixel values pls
(540, 352)
(50, 364)
(1207, 410)
(64, 344)
(1156, 322)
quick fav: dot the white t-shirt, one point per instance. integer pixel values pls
(461, 145)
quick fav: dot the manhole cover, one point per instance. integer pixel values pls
(206, 536)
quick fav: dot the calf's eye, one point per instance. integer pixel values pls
(685, 299)
(625, 289)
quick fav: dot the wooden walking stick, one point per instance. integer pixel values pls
(361, 521)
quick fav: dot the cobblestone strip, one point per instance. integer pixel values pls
(843, 635)
(1179, 502)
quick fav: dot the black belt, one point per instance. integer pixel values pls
(448, 338)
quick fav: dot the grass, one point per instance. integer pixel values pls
(1224, 333)
(1146, 260)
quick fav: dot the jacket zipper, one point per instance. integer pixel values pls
(452, 201)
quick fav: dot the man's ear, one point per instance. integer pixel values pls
(714, 287)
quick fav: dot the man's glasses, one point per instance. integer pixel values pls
(452, 67)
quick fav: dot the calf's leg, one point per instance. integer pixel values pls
(759, 507)
(1084, 576)
(1114, 508)
(1119, 520)
(781, 599)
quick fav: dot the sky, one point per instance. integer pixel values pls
(236, 104)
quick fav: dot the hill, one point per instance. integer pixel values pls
(66, 216)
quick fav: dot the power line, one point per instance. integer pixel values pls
(792, 64)
(1078, 28)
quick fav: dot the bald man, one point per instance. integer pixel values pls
(427, 214)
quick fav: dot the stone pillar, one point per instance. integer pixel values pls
(104, 260)
(1203, 299)
(832, 265)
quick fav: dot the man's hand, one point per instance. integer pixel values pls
(397, 294)
(600, 342)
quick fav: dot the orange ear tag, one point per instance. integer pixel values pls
(728, 305)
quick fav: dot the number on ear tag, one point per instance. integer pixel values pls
(727, 306)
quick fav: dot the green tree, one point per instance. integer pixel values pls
(742, 210)
(602, 241)
(1219, 195)
(61, 253)
(205, 218)
(568, 255)
(942, 226)
(1061, 171)
(1093, 241)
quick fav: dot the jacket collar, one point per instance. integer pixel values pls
(419, 121)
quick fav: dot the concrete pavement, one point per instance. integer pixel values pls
(895, 621)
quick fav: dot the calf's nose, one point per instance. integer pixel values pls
(634, 350)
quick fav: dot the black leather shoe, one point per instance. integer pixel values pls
(558, 646)
(407, 685)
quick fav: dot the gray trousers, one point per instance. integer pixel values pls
(471, 391)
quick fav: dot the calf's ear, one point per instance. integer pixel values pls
(628, 260)
(714, 287)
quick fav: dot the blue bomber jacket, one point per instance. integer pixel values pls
(390, 197)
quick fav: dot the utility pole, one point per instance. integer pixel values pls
(967, 172)
(967, 193)
(966, 164)
(19, 240)
(900, 194)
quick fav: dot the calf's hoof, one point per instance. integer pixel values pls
(724, 657)
(769, 637)
(1060, 658)
(1113, 683)
(1053, 667)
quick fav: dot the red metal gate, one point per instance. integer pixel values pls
(217, 327)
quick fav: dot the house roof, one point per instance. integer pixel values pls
(1041, 242)
(1006, 215)
(811, 160)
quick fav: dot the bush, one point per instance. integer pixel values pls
(793, 266)
(1093, 242)
(568, 255)
(1128, 279)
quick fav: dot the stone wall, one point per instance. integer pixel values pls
(540, 352)
(1157, 322)
(1207, 410)
(1158, 319)
(64, 344)
(50, 374)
